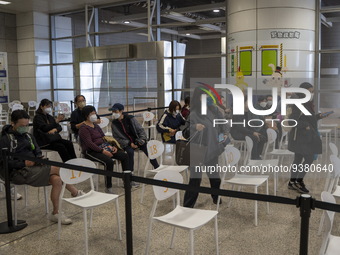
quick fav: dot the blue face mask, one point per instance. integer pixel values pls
(22, 130)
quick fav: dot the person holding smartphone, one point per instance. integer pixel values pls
(304, 140)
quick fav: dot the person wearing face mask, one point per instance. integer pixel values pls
(304, 140)
(129, 133)
(170, 122)
(46, 130)
(95, 147)
(77, 118)
(186, 108)
(19, 141)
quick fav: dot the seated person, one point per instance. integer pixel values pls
(261, 103)
(257, 134)
(96, 148)
(170, 122)
(28, 172)
(46, 130)
(76, 117)
(129, 133)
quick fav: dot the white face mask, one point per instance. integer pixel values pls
(48, 110)
(177, 111)
(115, 115)
(312, 96)
(263, 104)
(269, 103)
(93, 118)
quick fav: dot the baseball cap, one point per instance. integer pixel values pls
(117, 107)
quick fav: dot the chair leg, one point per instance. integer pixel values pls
(232, 188)
(216, 236)
(191, 233)
(26, 195)
(275, 188)
(173, 238)
(267, 190)
(85, 232)
(46, 200)
(255, 191)
(148, 238)
(118, 220)
(321, 223)
(91, 215)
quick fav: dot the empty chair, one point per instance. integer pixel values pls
(330, 243)
(334, 149)
(149, 116)
(232, 156)
(155, 150)
(181, 217)
(88, 201)
(32, 107)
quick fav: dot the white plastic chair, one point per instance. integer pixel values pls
(330, 244)
(181, 217)
(104, 124)
(155, 150)
(149, 116)
(334, 149)
(232, 154)
(17, 107)
(32, 107)
(88, 201)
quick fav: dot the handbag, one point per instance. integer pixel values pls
(188, 153)
(50, 138)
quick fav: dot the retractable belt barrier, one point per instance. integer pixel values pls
(305, 202)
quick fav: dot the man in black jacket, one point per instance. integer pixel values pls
(19, 141)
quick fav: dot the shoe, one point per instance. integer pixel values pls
(134, 184)
(64, 219)
(291, 185)
(19, 196)
(215, 200)
(109, 190)
(301, 187)
(80, 193)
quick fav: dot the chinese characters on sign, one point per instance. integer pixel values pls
(288, 35)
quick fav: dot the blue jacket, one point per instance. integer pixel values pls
(168, 121)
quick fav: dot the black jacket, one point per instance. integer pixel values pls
(23, 146)
(301, 140)
(42, 123)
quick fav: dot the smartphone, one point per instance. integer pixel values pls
(327, 113)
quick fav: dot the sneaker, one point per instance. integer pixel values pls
(301, 187)
(291, 185)
(19, 196)
(134, 184)
(215, 200)
(109, 190)
(64, 219)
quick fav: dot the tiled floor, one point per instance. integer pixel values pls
(276, 233)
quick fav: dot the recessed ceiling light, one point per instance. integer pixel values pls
(127, 22)
(216, 10)
(4, 2)
(187, 34)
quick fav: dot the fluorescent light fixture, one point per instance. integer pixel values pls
(4, 2)
(127, 22)
(187, 34)
(216, 10)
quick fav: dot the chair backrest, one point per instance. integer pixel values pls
(104, 122)
(148, 116)
(65, 108)
(155, 149)
(17, 107)
(70, 176)
(232, 155)
(334, 149)
(336, 165)
(32, 104)
(162, 193)
(179, 136)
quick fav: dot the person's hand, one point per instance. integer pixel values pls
(29, 163)
(308, 128)
(172, 131)
(60, 117)
(98, 121)
(200, 127)
(257, 135)
(52, 131)
(107, 153)
(133, 146)
(228, 110)
(114, 150)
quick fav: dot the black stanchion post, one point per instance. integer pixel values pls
(306, 204)
(8, 226)
(128, 212)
